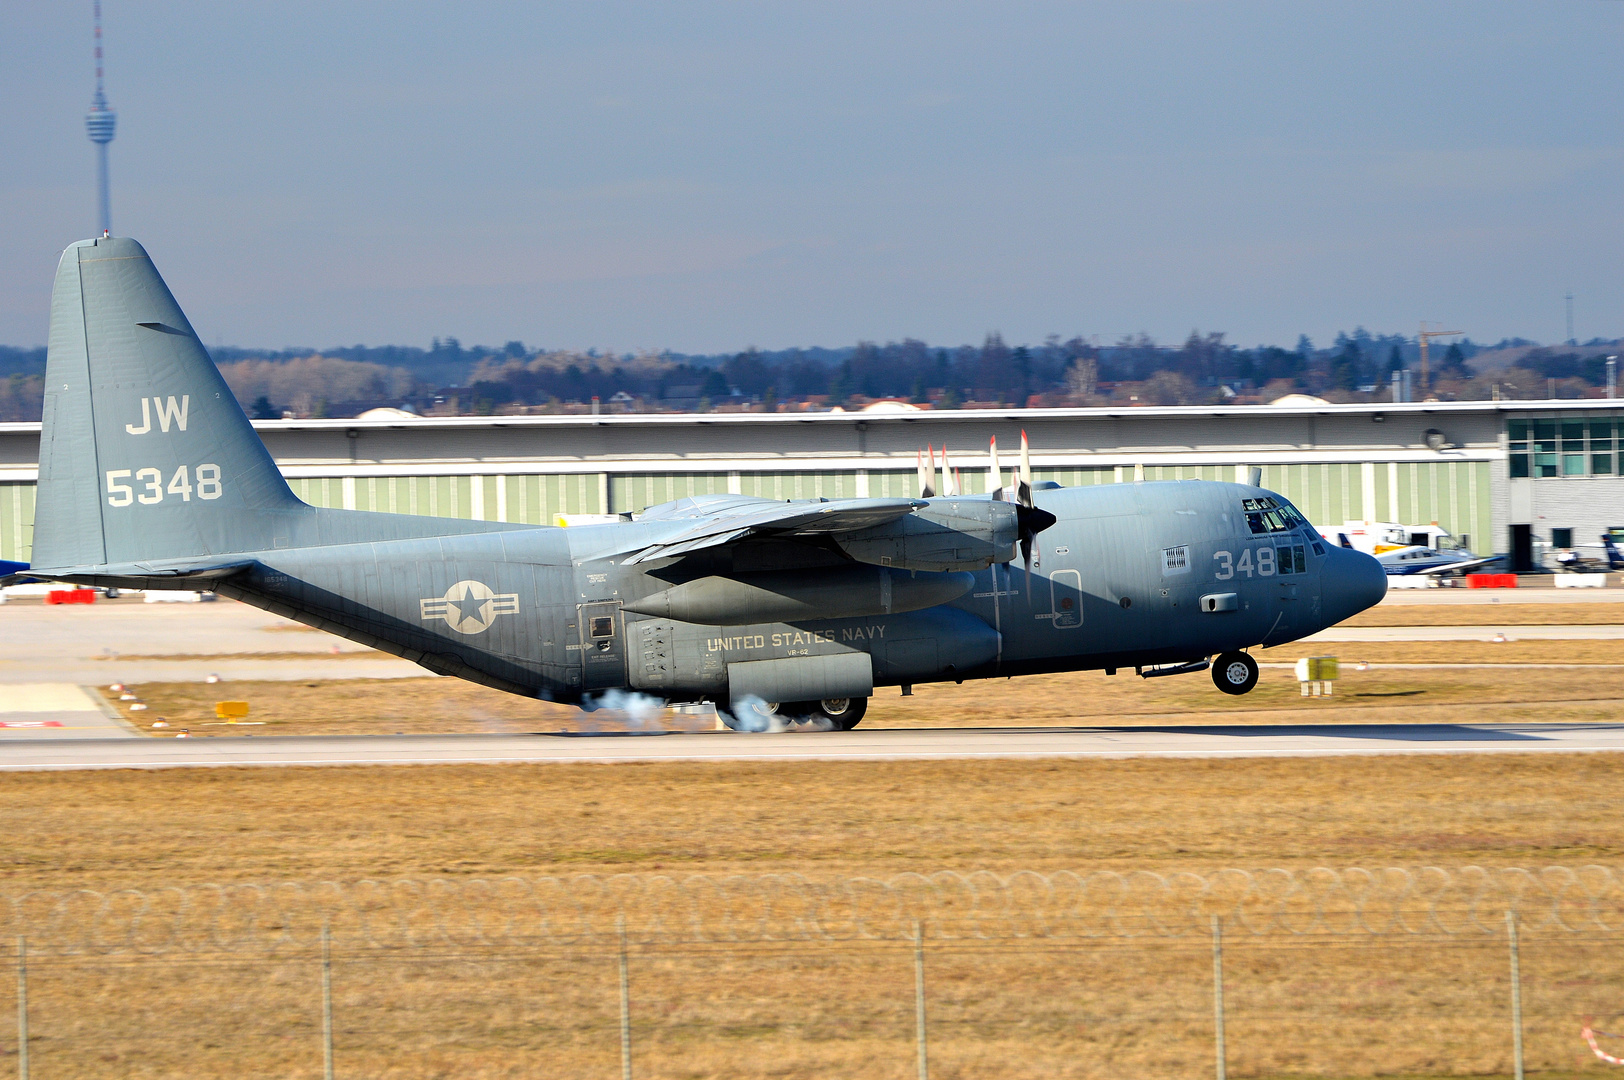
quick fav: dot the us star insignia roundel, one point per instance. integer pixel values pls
(469, 607)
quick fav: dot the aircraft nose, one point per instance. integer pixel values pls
(1350, 582)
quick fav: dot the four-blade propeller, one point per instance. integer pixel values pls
(1029, 517)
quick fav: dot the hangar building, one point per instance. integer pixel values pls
(1512, 478)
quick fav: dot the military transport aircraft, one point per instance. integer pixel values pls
(151, 476)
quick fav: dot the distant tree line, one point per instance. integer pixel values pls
(451, 378)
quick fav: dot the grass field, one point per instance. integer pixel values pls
(1586, 614)
(117, 828)
(1015, 1008)
(1384, 695)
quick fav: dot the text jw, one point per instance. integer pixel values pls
(169, 412)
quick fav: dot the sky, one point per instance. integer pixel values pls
(708, 176)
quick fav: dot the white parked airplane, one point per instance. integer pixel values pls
(1407, 549)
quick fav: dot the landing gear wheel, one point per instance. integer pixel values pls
(1234, 673)
(844, 713)
(751, 716)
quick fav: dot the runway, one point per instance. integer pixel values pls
(908, 744)
(128, 641)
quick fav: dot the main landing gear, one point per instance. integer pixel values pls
(840, 714)
(1234, 672)
(843, 714)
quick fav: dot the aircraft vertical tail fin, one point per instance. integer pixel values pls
(144, 452)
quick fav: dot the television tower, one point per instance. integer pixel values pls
(99, 123)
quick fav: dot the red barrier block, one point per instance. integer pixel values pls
(71, 596)
(1491, 581)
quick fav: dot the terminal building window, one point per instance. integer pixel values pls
(1573, 448)
(1566, 447)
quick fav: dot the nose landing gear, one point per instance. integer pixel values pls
(1234, 672)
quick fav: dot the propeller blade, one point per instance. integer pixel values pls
(1023, 486)
(995, 471)
(950, 483)
(927, 489)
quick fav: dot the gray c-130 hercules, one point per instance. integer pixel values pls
(151, 476)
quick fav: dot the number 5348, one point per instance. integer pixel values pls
(149, 486)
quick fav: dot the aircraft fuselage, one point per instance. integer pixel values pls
(1129, 575)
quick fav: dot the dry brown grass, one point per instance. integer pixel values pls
(1584, 614)
(1392, 695)
(1004, 1010)
(1485, 651)
(825, 817)
(1014, 1009)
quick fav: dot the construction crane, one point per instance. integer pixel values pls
(1426, 336)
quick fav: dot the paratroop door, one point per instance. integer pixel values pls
(1066, 598)
(603, 646)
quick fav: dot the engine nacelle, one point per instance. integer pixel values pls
(841, 592)
(949, 534)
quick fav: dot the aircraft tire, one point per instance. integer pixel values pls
(756, 716)
(844, 713)
(1234, 673)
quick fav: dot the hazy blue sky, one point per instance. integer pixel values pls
(704, 176)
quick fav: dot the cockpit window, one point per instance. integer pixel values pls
(1268, 515)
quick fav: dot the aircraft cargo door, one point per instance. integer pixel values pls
(603, 645)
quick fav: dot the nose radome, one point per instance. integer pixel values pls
(1351, 582)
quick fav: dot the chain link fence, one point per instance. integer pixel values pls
(1318, 972)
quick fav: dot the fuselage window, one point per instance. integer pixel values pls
(1292, 559)
(603, 626)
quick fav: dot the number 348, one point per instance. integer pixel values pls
(1228, 566)
(150, 488)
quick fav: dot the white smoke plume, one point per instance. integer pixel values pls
(622, 710)
(752, 714)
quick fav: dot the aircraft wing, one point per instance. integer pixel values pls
(746, 519)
